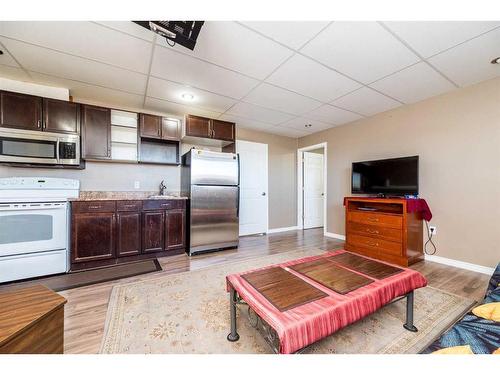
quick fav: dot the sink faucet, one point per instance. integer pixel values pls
(162, 187)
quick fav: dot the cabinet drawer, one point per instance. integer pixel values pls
(391, 221)
(385, 233)
(93, 206)
(382, 246)
(128, 206)
(162, 204)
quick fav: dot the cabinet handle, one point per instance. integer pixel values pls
(38, 124)
(94, 207)
(372, 231)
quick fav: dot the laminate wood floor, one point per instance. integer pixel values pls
(85, 311)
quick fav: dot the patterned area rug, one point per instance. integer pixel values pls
(189, 313)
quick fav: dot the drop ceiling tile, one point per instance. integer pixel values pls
(247, 123)
(291, 33)
(299, 123)
(312, 79)
(258, 113)
(90, 93)
(333, 115)
(362, 50)
(233, 46)
(279, 99)
(84, 39)
(366, 101)
(12, 72)
(469, 62)
(178, 67)
(177, 109)
(58, 64)
(410, 85)
(6, 58)
(129, 27)
(431, 37)
(288, 132)
(166, 90)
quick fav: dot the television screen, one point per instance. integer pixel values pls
(390, 176)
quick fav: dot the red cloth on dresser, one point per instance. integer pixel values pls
(412, 205)
(308, 323)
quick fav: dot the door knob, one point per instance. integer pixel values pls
(263, 193)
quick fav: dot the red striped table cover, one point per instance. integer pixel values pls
(308, 323)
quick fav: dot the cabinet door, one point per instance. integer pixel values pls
(96, 130)
(60, 116)
(170, 129)
(128, 233)
(198, 126)
(20, 111)
(150, 126)
(92, 236)
(223, 130)
(153, 224)
(175, 232)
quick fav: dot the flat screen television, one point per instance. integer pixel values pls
(397, 176)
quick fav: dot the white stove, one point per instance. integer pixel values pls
(34, 226)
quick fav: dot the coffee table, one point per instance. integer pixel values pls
(299, 302)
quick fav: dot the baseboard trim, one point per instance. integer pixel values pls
(460, 264)
(284, 229)
(335, 235)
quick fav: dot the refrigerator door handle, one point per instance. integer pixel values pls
(238, 203)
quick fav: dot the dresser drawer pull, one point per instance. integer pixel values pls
(373, 219)
(372, 243)
(372, 231)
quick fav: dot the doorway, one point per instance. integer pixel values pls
(312, 186)
(253, 187)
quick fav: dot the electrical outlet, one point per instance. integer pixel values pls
(432, 230)
(137, 185)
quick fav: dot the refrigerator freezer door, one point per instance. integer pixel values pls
(214, 217)
(214, 168)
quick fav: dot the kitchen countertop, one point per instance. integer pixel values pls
(123, 195)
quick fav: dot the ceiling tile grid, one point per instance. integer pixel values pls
(270, 76)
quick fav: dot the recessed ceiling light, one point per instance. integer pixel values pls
(496, 60)
(187, 96)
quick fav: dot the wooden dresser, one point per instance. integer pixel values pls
(382, 228)
(31, 321)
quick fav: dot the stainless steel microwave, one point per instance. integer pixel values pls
(35, 147)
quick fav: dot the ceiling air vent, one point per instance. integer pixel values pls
(184, 33)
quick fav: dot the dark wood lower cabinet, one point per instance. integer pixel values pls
(105, 233)
(128, 233)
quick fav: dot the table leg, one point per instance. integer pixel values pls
(233, 299)
(409, 313)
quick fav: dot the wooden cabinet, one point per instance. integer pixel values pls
(128, 233)
(223, 130)
(383, 229)
(108, 232)
(153, 232)
(150, 126)
(175, 236)
(92, 236)
(60, 116)
(20, 111)
(197, 126)
(96, 132)
(170, 129)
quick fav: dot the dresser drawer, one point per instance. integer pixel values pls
(382, 246)
(93, 206)
(129, 206)
(163, 204)
(390, 221)
(385, 233)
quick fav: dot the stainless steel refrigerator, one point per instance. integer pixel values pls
(211, 182)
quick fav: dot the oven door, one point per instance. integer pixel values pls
(32, 227)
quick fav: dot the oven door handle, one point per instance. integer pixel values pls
(10, 207)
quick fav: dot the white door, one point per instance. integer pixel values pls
(313, 190)
(253, 187)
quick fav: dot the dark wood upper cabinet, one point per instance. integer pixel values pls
(61, 116)
(150, 126)
(153, 231)
(223, 130)
(96, 132)
(128, 233)
(197, 126)
(170, 129)
(92, 236)
(20, 111)
(175, 229)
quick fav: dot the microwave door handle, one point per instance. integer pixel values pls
(58, 161)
